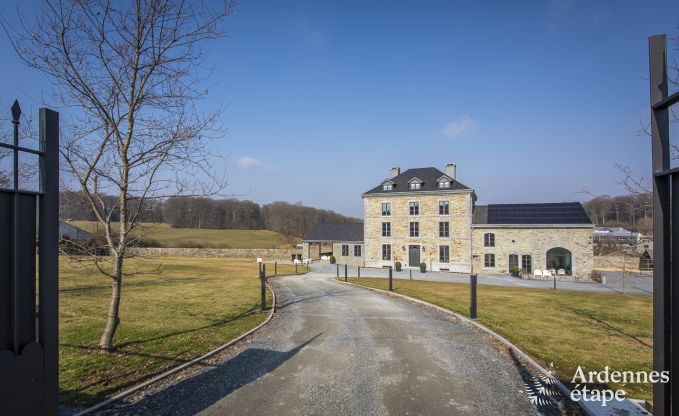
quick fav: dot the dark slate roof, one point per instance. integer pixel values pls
(335, 232)
(428, 176)
(566, 213)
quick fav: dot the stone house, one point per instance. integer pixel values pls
(424, 215)
(344, 241)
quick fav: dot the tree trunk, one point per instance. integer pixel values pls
(113, 320)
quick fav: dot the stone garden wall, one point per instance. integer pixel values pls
(265, 253)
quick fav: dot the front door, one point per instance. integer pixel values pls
(513, 261)
(413, 256)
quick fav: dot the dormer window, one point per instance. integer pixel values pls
(444, 182)
(387, 185)
(415, 183)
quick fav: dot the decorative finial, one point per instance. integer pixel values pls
(16, 112)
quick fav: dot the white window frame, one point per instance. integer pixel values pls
(447, 229)
(382, 208)
(446, 246)
(388, 224)
(417, 229)
(447, 205)
(488, 256)
(487, 239)
(388, 252)
(417, 205)
(347, 251)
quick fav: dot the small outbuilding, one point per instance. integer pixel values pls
(344, 241)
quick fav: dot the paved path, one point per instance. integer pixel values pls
(635, 283)
(334, 349)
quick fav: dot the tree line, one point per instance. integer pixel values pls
(294, 220)
(633, 212)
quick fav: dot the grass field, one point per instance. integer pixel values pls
(166, 236)
(193, 306)
(564, 327)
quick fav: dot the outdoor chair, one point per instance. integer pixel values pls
(553, 272)
(537, 272)
(547, 273)
(561, 272)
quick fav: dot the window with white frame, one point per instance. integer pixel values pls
(386, 208)
(386, 229)
(345, 249)
(415, 185)
(444, 229)
(489, 260)
(414, 208)
(387, 187)
(357, 250)
(414, 229)
(444, 208)
(444, 254)
(386, 251)
(444, 184)
(489, 240)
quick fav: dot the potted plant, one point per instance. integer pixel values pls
(397, 266)
(515, 271)
(332, 259)
(423, 267)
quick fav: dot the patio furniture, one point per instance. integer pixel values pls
(547, 273)
(553, 272)
(561, 272)
(537, 272)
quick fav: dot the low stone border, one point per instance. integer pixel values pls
(177, 369)
(629, 407)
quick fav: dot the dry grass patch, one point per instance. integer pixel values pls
(162, 235)
(191, 307)
(567, 328)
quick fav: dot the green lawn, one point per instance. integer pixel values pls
(191, 307)
(564, 327)
(165, 236)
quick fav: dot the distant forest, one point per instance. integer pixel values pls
(293, 220)
(633, 212)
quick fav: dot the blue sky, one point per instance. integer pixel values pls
(534, 103)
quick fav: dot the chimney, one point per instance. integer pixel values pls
(395, 171)
(450, 170)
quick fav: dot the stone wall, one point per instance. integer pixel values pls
(265, 253)
(459, 219)
(534, 242)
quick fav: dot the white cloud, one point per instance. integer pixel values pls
(247, 162)
(460, 127)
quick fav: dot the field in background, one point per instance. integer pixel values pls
(561, 327)
(162, 235)
(191, 307)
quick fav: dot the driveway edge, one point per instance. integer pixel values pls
(179, 368)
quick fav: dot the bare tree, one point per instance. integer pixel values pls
(131, 72)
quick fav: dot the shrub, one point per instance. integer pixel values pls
(332, 260)
(397, 265)
(423, 267)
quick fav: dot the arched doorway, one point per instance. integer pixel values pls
(560, 260)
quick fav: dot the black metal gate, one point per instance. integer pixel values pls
(665, 227)
(29, 234)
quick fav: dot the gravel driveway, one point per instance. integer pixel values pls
(334, 349)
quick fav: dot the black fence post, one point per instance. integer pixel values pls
(262, 278)
(472, 291)
(391, 288)
(345, 272)
(338, 270)
(359, 272)
(275, 268)
(411, 274)
(295, 267)
(554, 282)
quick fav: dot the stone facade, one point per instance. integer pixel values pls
(428, 219)
(533, 241)
(351, 259)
